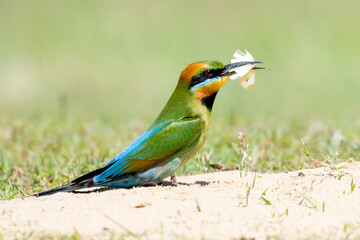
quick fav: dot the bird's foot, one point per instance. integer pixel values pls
(173, 181)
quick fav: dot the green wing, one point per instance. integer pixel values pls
(176, 137)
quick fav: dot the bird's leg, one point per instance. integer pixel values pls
(173, 180)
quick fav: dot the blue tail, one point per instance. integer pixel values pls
(81, 182)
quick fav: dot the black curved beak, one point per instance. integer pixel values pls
(227, 68)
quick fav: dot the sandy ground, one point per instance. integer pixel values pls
(316, 204)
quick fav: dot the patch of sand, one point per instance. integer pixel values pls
(315, 203)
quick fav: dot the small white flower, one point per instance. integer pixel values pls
(245, 74)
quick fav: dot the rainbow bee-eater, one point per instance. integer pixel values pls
(173, 138)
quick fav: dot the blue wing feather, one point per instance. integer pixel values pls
(119, 161)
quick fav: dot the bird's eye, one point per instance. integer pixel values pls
(208, 73)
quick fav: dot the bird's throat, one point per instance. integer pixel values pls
(208, 101)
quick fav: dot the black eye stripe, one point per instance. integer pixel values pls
(204, 75)
(198, 78)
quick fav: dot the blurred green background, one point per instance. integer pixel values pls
(80, 80)
(121, 59)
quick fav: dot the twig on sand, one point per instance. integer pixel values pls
(128, 231)
(222, 167)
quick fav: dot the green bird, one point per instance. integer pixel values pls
(174, 137)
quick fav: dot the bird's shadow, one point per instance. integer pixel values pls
(162, 184)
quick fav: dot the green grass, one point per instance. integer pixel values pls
(79, 80)
(38, 153)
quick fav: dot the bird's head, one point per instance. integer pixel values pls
(204, 79)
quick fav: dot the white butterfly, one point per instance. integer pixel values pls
(245, 74)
